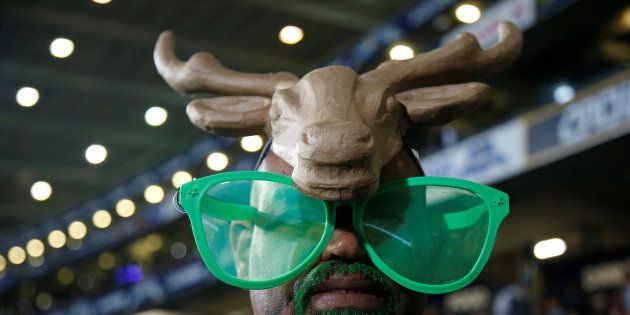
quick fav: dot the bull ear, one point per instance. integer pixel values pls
(231, 115)
(441, 104)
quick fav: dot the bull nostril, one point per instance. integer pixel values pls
(311, 136)
(307, 137)
(366, 138)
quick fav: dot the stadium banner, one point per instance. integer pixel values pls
(599, 113)
(487, 157)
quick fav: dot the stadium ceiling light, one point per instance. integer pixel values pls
(401, 52)
(178, 250)
(563, 93)
(35, 248)
(3, 263)
(56, 239)
(102, 1)
(125, 208)
(251, 143)
(291, 34)
(180, 178)
(217, 161)
(27, 96)
(467, 13)
(155, 116)
(16, 255)
(41, 190)
(95, 154)
(43, 301)
(77, 230)
(625, 18)
(101, 219)
(61, 47)
(549, 248)
(65, 276)
(154, 194)
(106, 261)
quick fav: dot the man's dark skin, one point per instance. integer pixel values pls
(344, 246)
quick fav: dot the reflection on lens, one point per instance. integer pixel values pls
(431, 235)
(260, 230)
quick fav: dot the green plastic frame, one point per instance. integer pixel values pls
(191, 199)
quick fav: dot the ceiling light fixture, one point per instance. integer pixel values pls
(106, 261)
(154, 194)
(468, 13)
(549, 248)
(217, 161)
(27, 96)
(178, 250)
(3, 263)
(61, 47)
(95, 154)
(35, 248)
(180, 178)
(155, 116)
(56, 239)
(41, 190)
(251, 143)
(101, 219)
(16, 255)
(401, 52)
(125, 208)
(65, 275)
(563, 93)
(43, 301)
(291, 34)
(77, 230)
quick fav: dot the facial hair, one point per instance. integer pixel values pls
(304, 288)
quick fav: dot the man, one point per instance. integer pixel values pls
(343, 290)
(314, 231)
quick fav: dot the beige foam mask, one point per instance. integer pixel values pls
(335, 127)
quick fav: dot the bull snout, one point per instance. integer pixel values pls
(335, 161)
(336, 143)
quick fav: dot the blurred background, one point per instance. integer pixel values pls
(93, 144)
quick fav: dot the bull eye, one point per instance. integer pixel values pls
(287, 96)
(274, 113)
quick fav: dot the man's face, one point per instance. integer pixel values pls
(343, 278)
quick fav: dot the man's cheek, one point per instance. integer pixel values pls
(272, 301)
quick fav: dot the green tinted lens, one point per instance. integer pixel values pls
(430, 235)
(260, 230)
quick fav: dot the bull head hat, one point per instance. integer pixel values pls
(335, 127)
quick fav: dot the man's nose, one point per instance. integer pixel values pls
(344, 243)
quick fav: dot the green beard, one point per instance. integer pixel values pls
(322, 272)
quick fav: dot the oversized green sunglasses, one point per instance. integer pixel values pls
(254, 230)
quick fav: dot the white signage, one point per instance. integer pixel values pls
(595, 114)
(487, 157)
